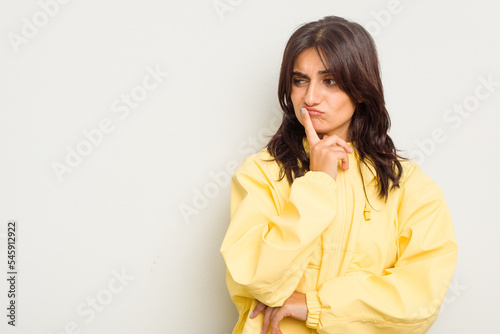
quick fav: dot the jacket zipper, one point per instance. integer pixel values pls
(338, 236)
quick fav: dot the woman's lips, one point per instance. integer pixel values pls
(314, 111)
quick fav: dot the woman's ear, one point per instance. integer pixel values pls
(357, 99)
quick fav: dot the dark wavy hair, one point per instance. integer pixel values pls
(347, 51)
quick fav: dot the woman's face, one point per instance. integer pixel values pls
(315, 89)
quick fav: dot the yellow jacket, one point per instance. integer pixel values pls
(379, 268)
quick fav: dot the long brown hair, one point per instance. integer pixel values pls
(347, 51)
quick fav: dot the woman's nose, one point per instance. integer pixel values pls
(313, 96)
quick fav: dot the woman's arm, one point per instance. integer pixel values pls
(405, 298)
(270, 240)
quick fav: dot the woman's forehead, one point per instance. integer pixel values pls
(310, 62)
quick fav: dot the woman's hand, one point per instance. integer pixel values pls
(295, 307)
(326, 152)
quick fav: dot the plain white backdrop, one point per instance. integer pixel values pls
(121, 122)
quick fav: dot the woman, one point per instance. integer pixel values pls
(331, 231)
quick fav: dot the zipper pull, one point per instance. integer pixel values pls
(367, 211)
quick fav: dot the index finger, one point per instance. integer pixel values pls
(311, 134)
(259, 308)
(267, 320)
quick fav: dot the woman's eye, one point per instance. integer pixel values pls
(298, 82)
(329, 82)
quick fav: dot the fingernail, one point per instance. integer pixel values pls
(303, 110)
(251, 315)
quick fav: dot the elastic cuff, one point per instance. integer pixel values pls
(313, 308)
(321, 176)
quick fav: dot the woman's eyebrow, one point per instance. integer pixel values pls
(299, 74)
(325, 72)
(302, 75)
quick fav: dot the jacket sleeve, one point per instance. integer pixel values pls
(270, 239)
(405, 298)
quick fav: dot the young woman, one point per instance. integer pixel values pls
(331, 231)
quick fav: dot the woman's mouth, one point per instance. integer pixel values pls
(314, 111)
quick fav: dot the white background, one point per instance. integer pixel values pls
(120, 209)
